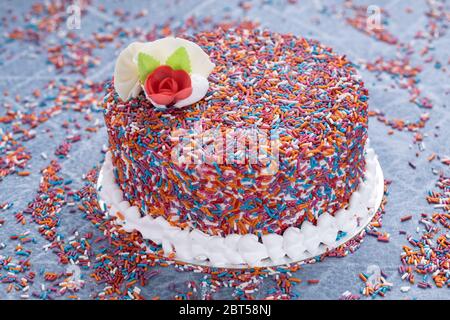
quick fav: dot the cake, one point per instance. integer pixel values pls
(234, 145)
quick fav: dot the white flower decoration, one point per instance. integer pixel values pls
(140, 59)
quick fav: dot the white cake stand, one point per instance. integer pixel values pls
(296, 245)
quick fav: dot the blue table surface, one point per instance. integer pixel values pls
(24, 68)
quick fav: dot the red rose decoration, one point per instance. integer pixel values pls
(166, 86)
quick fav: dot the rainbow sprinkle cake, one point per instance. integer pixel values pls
(297, 90)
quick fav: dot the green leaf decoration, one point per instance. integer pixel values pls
(146, 65)
(179, 60)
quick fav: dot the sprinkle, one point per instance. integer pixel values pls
(405, 289)
(405, 218)
(313, 281)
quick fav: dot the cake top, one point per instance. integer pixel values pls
(267, 81)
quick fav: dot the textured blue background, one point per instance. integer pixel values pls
(24, 68)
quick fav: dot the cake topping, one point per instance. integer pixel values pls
(172, 72)
(166, 86)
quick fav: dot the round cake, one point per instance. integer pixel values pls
(277, 140)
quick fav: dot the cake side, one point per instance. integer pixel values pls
(310, 96)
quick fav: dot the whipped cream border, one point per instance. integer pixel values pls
(240, 251)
